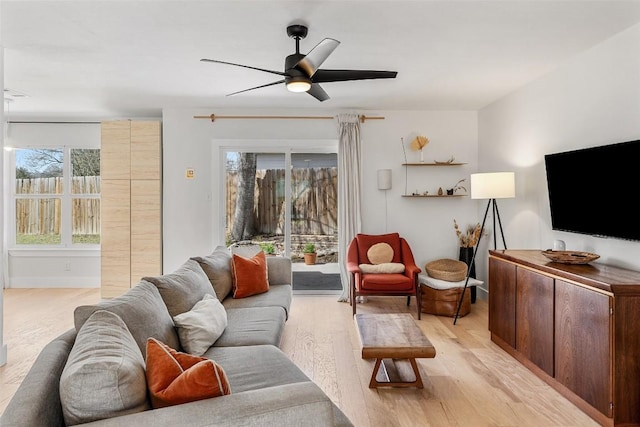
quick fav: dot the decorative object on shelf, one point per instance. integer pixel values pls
(418, 143)
(456, 187)
(492, 186)
(310, 254)
(446, 162)
(570, 257)
(440, 192)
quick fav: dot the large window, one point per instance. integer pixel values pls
(57, 196)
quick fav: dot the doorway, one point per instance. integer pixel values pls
(286, 202)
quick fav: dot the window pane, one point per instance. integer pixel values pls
(255, 198)
(86, 221)
(314, 204)
(39, 171)
(85, 171)
(38, 221)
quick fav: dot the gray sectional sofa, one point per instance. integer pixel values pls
(267, 388)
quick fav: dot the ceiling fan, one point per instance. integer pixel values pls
(302, 72)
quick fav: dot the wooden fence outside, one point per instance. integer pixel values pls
(42, 215)
(314, 194)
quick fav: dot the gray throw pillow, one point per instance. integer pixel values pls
(142, 310)
(183, 288)
(217, 267)
(200, 327)
(104, 375)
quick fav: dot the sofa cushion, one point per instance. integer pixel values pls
(176, 377)
(217, 267)
(104, 376)
(183, 288)
(253, 326)
(256, 366)
(249, 275)
(142, 310)
(278, 296)
(201, 326)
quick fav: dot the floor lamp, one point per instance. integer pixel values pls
(492, 186)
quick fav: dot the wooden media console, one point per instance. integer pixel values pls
(577, 327)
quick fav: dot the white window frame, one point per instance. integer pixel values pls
(66, 198)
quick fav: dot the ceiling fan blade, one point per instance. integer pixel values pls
(317, 92)
(324, 76)
(257, 87)
(312, 60)
(243, 66)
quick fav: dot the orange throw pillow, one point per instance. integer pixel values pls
(174, 377)
(249, 275)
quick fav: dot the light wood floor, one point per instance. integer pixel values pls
(470, 382)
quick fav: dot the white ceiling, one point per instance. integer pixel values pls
(101, 59)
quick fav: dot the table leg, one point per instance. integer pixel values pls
(381, 365)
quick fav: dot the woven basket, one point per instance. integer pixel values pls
(450, 270)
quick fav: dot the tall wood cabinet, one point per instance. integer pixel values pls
(577, 327)
(131, 203)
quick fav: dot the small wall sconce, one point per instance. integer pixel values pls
(384, 179)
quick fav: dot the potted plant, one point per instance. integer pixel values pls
(268, 248)
(456, 187)
(309, 254)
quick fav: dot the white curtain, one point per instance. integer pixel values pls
(349, 190)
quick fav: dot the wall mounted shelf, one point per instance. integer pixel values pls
(433, 195)
(433, 164)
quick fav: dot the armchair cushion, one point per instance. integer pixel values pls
(366, 241)
(380, 253)
(387, 267)
(388, 283)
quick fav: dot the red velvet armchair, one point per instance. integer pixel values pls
(382, 283)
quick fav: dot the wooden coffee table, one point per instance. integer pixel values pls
(387, 337)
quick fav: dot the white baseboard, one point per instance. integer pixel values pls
(53, 282)
(3, 355)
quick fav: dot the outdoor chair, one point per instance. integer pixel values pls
(382, 265)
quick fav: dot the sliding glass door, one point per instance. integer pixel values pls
(286, 201)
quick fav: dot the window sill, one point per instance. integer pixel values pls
(33, 251)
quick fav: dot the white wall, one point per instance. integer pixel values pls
(190, 207)
(40, 267)
(593, 99)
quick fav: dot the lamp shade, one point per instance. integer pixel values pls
(494, 185)
(384, 179)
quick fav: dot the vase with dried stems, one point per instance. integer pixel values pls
(467, 241)
(418, 143)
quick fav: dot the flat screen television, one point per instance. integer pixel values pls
(594, 190)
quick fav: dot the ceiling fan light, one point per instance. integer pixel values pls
(298, 85)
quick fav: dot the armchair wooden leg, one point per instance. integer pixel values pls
(408, 300)
(353, 300)
(419, 301)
